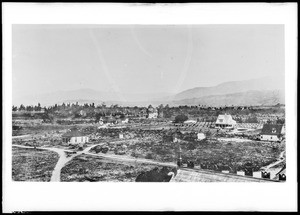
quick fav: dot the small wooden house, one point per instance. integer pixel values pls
(272, 132)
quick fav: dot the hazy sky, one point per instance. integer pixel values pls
(142, 58)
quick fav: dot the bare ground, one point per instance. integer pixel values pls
(32, 164)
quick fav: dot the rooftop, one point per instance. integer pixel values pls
(225, 119)
(200, 175)
(271, 129)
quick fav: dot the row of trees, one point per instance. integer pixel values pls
(202, 113)
(27, 108)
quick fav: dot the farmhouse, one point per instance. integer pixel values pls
(74, 137)
(272, 132)
(225, 121)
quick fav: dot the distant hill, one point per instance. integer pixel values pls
(266, 83)
(266, 97)
(267, 90)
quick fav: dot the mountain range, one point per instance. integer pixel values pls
(262, 91)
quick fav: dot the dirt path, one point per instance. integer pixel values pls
(240, 140)
(20, 136)
(63, 159)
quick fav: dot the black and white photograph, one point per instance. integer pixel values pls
(177, 103)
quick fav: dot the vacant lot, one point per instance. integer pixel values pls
(90, 168)
(233, 156)
(32, 165)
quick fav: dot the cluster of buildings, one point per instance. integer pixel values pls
(269, 132)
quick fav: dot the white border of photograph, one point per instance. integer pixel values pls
(76, 196)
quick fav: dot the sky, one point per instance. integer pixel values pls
(141, 58)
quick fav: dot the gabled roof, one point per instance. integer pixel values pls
(73, 133)
(200, 175)
(225, 119)
(271, 129)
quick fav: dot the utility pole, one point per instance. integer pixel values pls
(179, 158)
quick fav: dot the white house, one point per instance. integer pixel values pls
(74, 137)
(200, 136)
(225, 121)
(272, 132)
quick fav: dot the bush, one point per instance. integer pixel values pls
(104, 150)
(149, 156)
(134, 154)
(180, 118)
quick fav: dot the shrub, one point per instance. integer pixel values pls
(180, 118)
(134, 154)
(149, 156)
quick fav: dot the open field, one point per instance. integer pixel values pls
(33, 165)
(89, 168)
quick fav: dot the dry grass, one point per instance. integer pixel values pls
(89, 168)
(33, 165)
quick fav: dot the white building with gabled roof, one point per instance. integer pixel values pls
(225, 121)
(74, 137)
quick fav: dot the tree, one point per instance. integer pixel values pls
(180, 118)
(22, 107)
(47, 117)
(280, 121)
(14, 108)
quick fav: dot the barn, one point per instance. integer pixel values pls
(272, 132)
